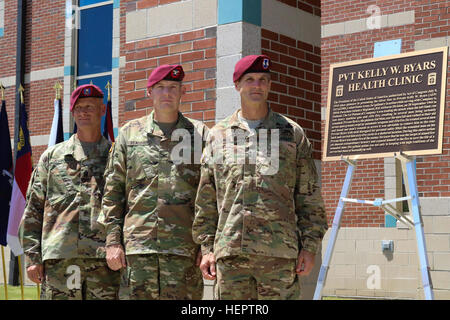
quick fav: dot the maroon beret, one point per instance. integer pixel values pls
(252, 63)
(166, 72)
(85, 91)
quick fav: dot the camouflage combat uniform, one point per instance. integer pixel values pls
(148, 207)
(60, 228)
(250, 220)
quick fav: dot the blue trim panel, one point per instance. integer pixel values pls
(386, 48)
(390, 221)
(69, 70)
(230, 11)
(115, 62)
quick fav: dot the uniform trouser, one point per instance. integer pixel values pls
(79, 279)
(163, 277)
(250, 277)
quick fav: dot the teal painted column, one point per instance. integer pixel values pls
(230, 11)
(238, 35)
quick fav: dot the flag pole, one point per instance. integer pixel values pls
(4, 274)
(57, 88)
(5, 284)
(20, 277)
(39, 291)
(21, 90)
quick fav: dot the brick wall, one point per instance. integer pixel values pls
(311, 6)
(433, 172)
(368, 183)
(432, 19)
(295, 82)
(39, 99)
(194, 50)
(45, 34)
(36, 153)
(8, 58)
(44, 48)
(334, 11)
(8, 41)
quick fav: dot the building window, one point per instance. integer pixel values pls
(94, 44)
(94, 54)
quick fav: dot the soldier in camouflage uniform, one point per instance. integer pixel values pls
(148, 204)
(259, 215)
(63, 243)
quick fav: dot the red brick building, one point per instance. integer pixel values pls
(78, 41)
(353, 30)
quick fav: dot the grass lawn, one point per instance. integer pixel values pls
(29, 292)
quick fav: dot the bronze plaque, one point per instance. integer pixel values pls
(377, 107)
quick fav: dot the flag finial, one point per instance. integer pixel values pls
(109, 86)
(21, 90)
(57, 88)
(2, 89)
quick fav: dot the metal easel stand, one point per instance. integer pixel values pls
(410, 179)
(409, 176)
